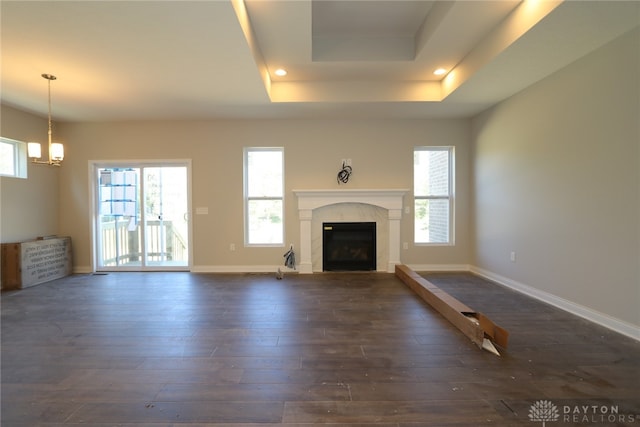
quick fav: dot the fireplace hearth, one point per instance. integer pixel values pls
(349, 246)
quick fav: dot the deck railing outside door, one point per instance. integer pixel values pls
(120, 246)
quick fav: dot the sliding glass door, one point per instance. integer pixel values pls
(142, 220)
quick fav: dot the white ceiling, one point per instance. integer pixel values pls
(149, 60)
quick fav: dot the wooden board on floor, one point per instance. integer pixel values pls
(453, 310)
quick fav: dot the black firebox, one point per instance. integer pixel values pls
(349, 246)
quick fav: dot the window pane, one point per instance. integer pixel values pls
(264, 196)
(431, 172)
(264, 173)
(7, 158)
(431, 221)
(265, 222)
(13, 158)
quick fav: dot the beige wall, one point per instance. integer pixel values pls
(28, 207)
(557, 181)
(381, 153)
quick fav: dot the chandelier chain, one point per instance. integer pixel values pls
(49, 77)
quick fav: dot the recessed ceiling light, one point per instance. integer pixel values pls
(440, 71)
(281, 72)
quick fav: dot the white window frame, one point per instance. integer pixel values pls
(450, 197)
(20, 161)
(247, 199)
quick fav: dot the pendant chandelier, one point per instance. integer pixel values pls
(56, 150)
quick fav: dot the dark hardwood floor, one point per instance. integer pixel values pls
(196, 350)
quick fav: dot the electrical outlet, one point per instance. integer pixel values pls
(232, 247)
(405, 245)
(513, 256)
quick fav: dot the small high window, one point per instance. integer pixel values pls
(13, 158)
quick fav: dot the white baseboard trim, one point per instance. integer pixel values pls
(302, 269)
(241, 269)
(602, 319)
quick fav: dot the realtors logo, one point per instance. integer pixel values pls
(543, 410)
(546, 411)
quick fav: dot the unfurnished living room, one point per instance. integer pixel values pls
(317, 212)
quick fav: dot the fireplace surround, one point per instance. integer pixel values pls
(385, 204)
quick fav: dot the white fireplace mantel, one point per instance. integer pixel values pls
(309, 200)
